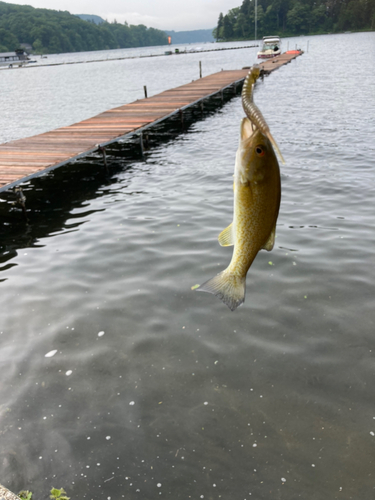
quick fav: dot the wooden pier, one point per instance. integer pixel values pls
(23, 159)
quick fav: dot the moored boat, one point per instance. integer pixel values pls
(271, 47)
(17, 58)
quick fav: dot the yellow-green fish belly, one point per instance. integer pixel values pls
(255, 215)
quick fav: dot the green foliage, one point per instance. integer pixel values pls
(295, 17)
(25, 495)
(58, 494)
(298, 18)
(51, 31)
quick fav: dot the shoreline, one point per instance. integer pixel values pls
(27, 66)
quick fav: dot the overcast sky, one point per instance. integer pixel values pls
(177, 15)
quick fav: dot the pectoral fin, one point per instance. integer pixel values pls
(226, 237)
(271, 240)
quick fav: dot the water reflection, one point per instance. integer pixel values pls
(59, 195)
(53, 202)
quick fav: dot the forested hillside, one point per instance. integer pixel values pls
(91, 18)
(295, 17)
(51, 31)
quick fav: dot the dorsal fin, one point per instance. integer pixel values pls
(246, 129)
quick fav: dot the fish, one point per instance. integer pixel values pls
(257, 195)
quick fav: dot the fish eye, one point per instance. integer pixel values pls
(260, 150)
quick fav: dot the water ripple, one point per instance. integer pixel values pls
(152, 383)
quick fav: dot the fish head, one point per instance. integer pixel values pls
(256, 159)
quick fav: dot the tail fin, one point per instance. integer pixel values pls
(227, 287)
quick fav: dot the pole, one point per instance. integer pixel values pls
(21, 201)
(141, 144)
(200, 69)
(102, 150)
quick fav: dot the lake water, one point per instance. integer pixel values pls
(119, 381)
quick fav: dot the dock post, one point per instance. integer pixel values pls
(200, 69)
(102, 150)
(145, 91)
(181, 119)
(21, 201)
(141, 144)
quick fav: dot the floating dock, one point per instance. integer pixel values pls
(23, 159)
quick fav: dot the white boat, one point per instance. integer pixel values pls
(271, 47)
(17, 58)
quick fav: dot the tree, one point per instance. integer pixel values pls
(51, 31)
(38, 46)
(8, 41)
(246, 7)
(297, 18)
(317, 19)
(260, 21)
(241, 26)
(227, 28)
(294, 17)
(218, 31)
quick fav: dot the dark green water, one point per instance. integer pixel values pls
(150, 390)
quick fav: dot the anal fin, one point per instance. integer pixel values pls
(271, 240)
(226, 237)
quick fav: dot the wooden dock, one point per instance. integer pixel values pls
(24, 159)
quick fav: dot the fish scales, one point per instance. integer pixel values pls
(256, 206)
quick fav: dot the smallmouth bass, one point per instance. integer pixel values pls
(257, 194)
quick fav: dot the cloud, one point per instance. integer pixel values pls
(177, 15)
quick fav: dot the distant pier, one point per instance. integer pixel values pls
(23, 159)
(163, 54)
